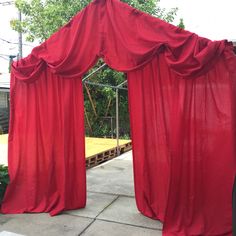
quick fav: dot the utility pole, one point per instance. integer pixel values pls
(19, 39)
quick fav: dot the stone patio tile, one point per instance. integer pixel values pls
(7, 233)
(96, 202)
(124, 210)
(103, 228)
(43, 224)
(115, 177)
(127, 156)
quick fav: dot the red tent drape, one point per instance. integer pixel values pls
(179, 133)
(181, 107)
(46, 146)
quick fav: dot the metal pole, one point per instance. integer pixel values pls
(120, 85)
(19, 39)
(104, 85)
(111, 127)
(117, 122)
(99, 68)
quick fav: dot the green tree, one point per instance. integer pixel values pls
(181, 23)
(43, 17)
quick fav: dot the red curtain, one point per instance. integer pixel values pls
(183, 148)
(181, 107)
(46, 146)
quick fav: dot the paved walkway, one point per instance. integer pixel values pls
(110, 210)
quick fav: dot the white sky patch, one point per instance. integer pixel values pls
(212, 19)
(6, 14)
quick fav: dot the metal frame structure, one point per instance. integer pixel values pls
(116, 88)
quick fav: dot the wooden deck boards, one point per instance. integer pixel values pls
(99, 150)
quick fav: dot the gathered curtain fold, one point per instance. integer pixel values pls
(182, 109)
(103, 29)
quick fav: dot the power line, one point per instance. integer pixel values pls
(6, 41)
(7, 59)
(5, 55)
(6, 3)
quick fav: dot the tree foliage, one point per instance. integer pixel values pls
(181, 23)
(4, 180)
(100, 104)
(43, 17)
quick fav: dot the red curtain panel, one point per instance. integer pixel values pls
(46, 146)
(183, 148)
(182, 108)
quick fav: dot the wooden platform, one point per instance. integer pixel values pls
(3, 138)
(98, 150)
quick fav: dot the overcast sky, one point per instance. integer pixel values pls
(6, 13)
(213, 19)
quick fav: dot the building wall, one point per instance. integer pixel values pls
(3, 100)
(4, 111)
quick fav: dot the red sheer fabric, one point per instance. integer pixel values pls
(181, 106)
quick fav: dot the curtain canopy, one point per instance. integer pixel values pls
(182, 109)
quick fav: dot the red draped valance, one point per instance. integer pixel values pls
(126, 39)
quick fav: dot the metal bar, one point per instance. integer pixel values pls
(99, 68)
(120, 85)
(104, 85)
(117, 122)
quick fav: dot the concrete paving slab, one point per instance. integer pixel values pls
(124, 210)
(7, 233)
(115, 177)
(103, 228)
(43, 224)
(96, 202)
(108, 212)
(128, 156)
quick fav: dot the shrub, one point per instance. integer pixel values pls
(4, 180)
